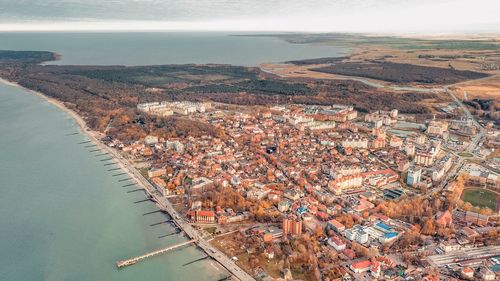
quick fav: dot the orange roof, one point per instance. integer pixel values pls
(445, 218)
(336, 223)
(206, 213)
(467, 270)
(361, 264)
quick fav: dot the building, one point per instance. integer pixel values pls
(378, 143)
(389, 237)
(157, 172)
(437, 128)
(202, 216)
(487, 274)
(355, 141)
(357, 234)
(375, 269)
(396, 142)
(414, 176)
(410, 149)
(283, 206)
(161, 186)
(449, 246)
(424, 158)
(292, 226)
(361, 266)
(335, 225)
(351, 181)
(336, 243)
(467, 273)
(476, 218)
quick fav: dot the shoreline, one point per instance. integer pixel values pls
(221, 264)
(92, 135)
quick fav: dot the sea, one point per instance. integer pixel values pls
(64, 214)
(166, 48)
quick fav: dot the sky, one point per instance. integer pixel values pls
(389, 16)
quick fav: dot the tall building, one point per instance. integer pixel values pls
(414, 176)
(292, 226)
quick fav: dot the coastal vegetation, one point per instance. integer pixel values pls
(7, 56)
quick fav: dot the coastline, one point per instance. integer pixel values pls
(219, 260)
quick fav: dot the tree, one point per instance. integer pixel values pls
(429, 227)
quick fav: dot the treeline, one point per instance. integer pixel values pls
(254, 86)
(142, 74)
(401, 72)
(7, 56)
(318, 61)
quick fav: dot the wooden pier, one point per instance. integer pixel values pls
(124, 263)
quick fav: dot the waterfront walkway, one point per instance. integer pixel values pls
(165, 205)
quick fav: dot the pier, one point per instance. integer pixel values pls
(166, 207)
(124, 263)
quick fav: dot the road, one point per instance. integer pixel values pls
(470, 148)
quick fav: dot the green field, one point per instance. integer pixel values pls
(480, 198)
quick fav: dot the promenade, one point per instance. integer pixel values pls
(165, 205)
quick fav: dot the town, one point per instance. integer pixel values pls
(329, 193)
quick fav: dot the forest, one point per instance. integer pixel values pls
(401, 72)
(7, 56)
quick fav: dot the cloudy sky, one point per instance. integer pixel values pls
(253, 15)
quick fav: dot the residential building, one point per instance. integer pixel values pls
(292, 226)
(414, 176)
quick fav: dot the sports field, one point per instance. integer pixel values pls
(480, 198)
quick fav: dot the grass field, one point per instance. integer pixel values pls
(480, 198)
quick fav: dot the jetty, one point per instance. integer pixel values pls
(124, 263)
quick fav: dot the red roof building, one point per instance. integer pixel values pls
(202, 216)
(361, 266)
